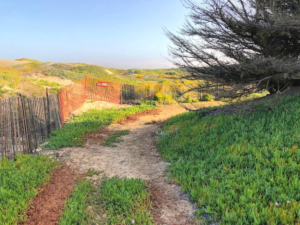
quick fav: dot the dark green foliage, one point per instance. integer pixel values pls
(237, 167)
(19, 180)
(171, 73)
(132, 71)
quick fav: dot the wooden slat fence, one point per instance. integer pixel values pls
(27, 122)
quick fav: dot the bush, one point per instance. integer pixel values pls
(189, 99)
(138, 76)
(165, 99)
(207, 97)
(171, 73)
(134, 71)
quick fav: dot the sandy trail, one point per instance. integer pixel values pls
(137, 157)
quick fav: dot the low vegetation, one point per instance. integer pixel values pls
(19, 183)
(207, 97)
(238, 169)
(123, 201)
(115, 138)
(115, 201)
(73, 133)
(75, 211)
(64, 74)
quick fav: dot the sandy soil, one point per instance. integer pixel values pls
(40, 76)
(6, 62)
(88, 105)
(137, 157)
(109, 72)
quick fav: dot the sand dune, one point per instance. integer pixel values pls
(6, 62)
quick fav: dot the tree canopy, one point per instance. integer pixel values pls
(253, 43)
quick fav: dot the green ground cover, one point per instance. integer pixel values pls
(115, 138)
(73, 133)
(19, 180)
(124, 201)
(75, 211)
(240, 169)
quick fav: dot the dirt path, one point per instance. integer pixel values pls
(137, 157)
(47, 206)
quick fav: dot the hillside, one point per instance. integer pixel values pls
(239, 164)
(32, 77)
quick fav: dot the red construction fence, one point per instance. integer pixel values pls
(73, 96)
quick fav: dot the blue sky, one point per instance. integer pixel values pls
(110, 33)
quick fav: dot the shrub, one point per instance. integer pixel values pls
(207, 97)
(189, 99)
(165, 99)
(171, 73)
(134, 71)
(138, 76)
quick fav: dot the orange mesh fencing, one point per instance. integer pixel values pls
(73, 96)
(112, 93)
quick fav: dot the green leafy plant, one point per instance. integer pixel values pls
(75, 212)
(115, 138)
(238, 169)
(123, 201)
(19, 183)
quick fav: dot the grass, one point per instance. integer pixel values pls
(19, 182)
(75, 210)
(234, 167)
(73, 133)
(122, 200)
(115, 138)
